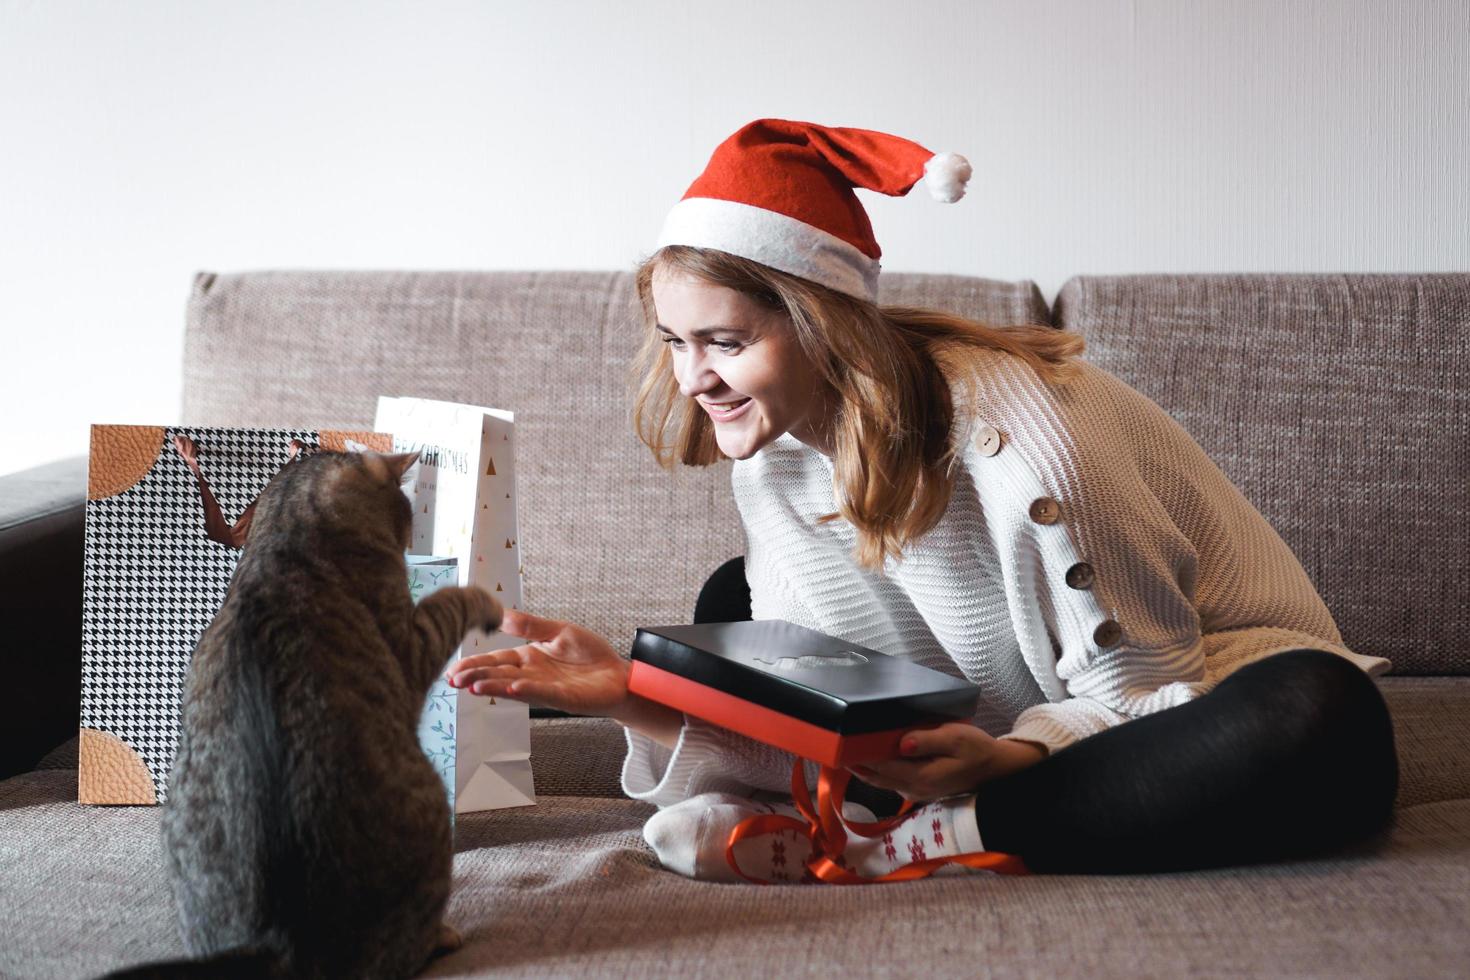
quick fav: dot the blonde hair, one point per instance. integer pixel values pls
(891, 368)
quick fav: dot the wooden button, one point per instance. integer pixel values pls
(1107, 634)
(1045, 510)
(988, 440)
(1080, 576)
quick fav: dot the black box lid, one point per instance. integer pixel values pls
(836, 685)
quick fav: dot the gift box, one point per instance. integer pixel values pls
(817, 696)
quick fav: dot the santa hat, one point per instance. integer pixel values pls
(780, 193)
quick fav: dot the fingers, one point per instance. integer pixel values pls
(923, 742)
(947, 739)
(532, 691)
(907, 775)
(491, 658)
(913, 780)
(490, 688)
(889, 774)
(468, 678)
(884, 776)
(514, 688)
(518, 622)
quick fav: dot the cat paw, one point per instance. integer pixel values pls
(493, 614)
(448, 939)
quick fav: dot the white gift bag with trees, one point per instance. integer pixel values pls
(464, 497)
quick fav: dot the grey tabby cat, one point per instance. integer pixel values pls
(306, 834)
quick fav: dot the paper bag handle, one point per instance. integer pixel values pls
(215, 526)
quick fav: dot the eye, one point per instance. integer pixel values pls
(723, 346)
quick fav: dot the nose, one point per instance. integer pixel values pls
(694, 374)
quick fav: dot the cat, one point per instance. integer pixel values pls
(305, 833)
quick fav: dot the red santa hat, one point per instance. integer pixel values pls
(780, 193)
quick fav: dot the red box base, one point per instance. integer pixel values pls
(762, 724)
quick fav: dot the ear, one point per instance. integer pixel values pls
(399, 463)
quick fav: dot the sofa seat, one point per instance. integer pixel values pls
(568, 887)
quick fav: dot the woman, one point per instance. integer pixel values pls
(1161, 686)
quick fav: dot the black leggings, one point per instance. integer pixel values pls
(1290, 756)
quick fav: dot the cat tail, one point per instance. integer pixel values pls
(245, 963)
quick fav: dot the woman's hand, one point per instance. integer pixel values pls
(949, 760)
(563, 666)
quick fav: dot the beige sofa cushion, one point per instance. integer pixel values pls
(1340, 405)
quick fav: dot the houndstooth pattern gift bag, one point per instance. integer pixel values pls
(160, 551)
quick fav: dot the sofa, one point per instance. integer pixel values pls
(1338, 403)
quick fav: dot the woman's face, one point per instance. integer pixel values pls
(741, 363)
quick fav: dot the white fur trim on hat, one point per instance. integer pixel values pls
(946, 175)
(772, 239)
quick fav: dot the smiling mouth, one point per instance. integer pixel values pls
(725, 410)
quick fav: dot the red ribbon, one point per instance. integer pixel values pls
(825, 827)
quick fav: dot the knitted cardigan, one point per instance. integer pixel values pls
(1094, 568)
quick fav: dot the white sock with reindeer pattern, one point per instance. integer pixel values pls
(690, 838)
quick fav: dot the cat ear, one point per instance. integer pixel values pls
(399, 463)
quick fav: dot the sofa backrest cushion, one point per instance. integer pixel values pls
(608, 540)
(1340, 405)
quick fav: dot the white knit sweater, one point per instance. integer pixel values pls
(1195, 580)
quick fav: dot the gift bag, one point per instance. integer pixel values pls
(167, 510)
(426, 575)
(463, 493)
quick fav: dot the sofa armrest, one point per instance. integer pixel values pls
(42, 513)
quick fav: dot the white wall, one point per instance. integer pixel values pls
(142, 141)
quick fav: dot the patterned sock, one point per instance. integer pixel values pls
(690, 837)
(933, 830)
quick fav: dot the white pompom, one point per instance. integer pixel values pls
(946, 174)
